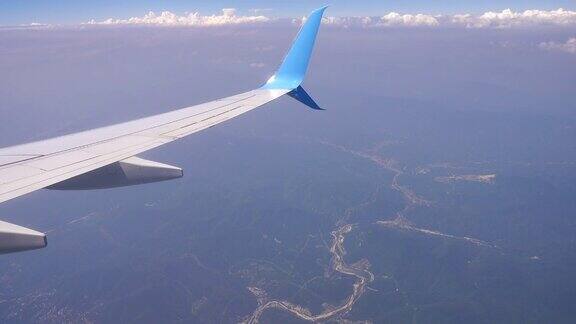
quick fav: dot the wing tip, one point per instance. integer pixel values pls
(294, 66)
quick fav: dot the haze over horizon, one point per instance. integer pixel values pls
(76, 12)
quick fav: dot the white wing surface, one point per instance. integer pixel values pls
(29, 167)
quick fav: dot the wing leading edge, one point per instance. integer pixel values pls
(29, 167)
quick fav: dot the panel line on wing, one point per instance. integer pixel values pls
(8, 160)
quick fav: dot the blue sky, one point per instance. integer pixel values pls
(69, 11)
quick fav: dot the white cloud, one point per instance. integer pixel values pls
(229, 12)
(508, 18)
(342, 21)
(569, 46)
(396, 19)
(504, 19)
(167, 18)
(391, 19)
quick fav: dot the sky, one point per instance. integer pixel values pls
(72, 12)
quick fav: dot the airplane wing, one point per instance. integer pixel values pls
(106, 157)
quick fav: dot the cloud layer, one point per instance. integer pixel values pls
(503, 19)
(508, 18)
(167, 18)
(396, 19)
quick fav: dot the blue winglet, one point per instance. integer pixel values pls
(301, 95)
(293, 69)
